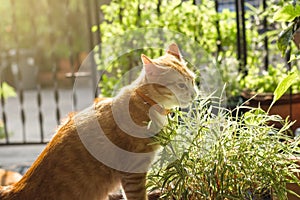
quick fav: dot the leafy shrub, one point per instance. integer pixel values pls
(222, 154)
(289, 13)
(47, 28)
(260, 79)
(265, 81)
(191, 26)
(198, 23)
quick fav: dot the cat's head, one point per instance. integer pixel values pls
(173, 84)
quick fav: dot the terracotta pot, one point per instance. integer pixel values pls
(296, 38)
(287, 105)
(292, 186)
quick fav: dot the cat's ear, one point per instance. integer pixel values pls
(174, 50)
(151, 69)
(146, 60)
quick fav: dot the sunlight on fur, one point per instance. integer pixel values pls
(108, 145)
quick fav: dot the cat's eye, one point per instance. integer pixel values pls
(181, 85)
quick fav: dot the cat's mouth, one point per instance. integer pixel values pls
(184, 103)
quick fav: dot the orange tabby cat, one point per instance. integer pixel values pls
(109, 144)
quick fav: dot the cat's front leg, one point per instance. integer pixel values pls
(134, 186)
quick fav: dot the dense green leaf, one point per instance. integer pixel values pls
(7, 91)
(253, 117)
(284, 39)
(295, 56)
(94, 28)
(288, 13)
(284, 85)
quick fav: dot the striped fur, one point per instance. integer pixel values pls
(67, 170)
(134, 186)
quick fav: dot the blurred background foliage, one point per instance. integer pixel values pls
(40, 19)
(46, 28)
(214, 31)
(207, 36)
(206, 33)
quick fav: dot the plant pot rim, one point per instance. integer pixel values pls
(295, 158)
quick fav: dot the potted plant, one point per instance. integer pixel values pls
(216, 155)
(221, 155)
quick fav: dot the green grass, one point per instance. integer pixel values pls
(214, 153)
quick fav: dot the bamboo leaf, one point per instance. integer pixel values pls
(284, 85)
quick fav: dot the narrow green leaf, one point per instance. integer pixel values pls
(284, 85)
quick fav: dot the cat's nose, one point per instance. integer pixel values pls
(193, 95)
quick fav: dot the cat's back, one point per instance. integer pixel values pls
(65, 169)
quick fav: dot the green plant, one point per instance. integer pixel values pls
(45, 28)
(288, 13)
(5, 92)
(192, 26)
(284, 85)
(2, 133)
(223, 154)
(265, 81)
(198, 23)
(262, 80)
(261, 32)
